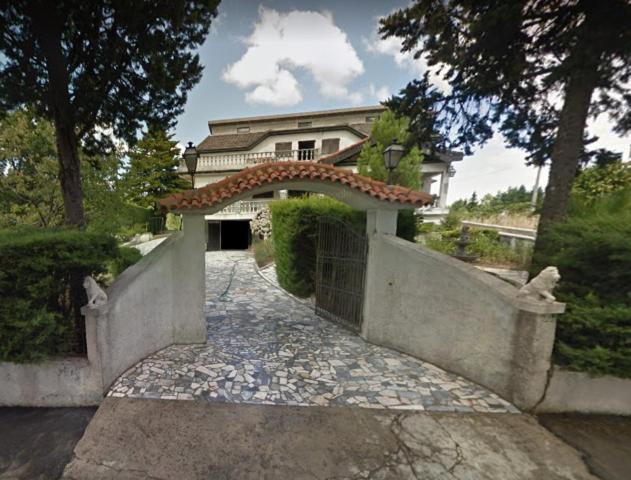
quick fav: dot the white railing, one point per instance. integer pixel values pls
(237, 161)
(245, 206)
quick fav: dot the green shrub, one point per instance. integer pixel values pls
(127, 256)
(41, 275)
(592, 250)
(295, 233)
(485, 243)
(407, 225)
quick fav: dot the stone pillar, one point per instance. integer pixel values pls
(381, 221)
(189, 281)
(444, 189)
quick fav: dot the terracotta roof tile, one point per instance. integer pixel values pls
(251, 178)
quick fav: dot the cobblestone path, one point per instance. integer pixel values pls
(265, 347)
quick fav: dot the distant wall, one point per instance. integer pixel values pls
(459, 318)
(583, 393)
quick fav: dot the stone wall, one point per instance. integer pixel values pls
(459, 318)
(583, 393)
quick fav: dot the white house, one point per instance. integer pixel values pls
(331, 136)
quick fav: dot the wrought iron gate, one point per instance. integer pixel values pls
(340, 271)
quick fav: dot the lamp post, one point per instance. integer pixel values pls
(391, 157)
(190, 159)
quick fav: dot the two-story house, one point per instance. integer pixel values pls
(331, 136)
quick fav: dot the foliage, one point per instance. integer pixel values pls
(29, 186)
(370, 163)
(407, 225)
(515, 200)
(295, 233)
(485, 244)
(152, 173)
(594, 182)
(127, 256)
(41, 274)
(90, 66)
(592, 250)
(263, 251)
(507, 64)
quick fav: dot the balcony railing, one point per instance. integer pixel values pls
(246, 206)
(237, 161)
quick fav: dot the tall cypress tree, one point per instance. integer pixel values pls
(152, 172)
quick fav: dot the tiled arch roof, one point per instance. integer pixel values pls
(269, 173)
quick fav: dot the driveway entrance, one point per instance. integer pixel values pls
(266, 347)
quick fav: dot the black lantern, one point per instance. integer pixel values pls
(190, 159)
(391, 157)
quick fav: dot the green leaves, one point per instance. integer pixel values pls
(40, 285)
(152, 173)
(370, 163)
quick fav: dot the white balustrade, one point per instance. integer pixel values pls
(237, 161)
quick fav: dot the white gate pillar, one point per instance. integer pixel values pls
(381, 221)
(189, 281)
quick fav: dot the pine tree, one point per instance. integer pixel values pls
(384, 131)
(152, 173)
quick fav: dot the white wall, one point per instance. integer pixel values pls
(155, 303)
(451, 314)
(282, 124)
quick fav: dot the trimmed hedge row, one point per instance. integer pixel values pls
(41, 276)
(295, 235)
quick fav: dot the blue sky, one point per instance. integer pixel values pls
(292, 56)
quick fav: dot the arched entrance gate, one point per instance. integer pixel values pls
(341, 253)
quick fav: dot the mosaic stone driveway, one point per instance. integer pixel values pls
(265, 347)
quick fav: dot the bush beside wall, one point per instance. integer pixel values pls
(592, 250)
(295, 235)
(41, 275)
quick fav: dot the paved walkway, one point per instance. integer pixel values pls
(264, 347)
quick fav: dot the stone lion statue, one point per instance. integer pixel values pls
(96, 295)
(540, 287)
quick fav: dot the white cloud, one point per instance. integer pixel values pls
(284, 42)
(378, 93)
(391, 46)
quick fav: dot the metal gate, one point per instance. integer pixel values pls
(340, 272)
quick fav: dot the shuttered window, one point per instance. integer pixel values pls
(330, 145)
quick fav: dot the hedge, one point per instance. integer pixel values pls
(295, 233)
(592, 250)
(41, 275)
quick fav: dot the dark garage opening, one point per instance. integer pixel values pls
(229, 235)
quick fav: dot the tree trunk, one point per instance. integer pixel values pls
(60, 109)
(567, 148)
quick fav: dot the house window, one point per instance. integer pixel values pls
(306, 150)
(330, 145)
(371, 118)
(304, 124)
(243, 129)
